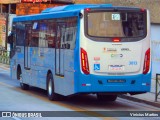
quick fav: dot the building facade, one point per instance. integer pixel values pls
(10, 8)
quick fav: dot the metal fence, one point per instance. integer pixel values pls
(4, 56)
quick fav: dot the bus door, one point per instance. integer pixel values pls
(59, 51)
(27, 59)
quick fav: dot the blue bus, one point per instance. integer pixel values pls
(82, 49)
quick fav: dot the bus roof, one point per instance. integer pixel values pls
(75, 7)
(61, 11)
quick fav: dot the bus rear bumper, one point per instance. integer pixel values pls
(134, 84)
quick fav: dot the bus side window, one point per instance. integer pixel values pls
(51, 33)
(19, 37)
(70, 33)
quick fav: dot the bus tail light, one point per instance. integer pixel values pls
(116, 40)
(146, 65)
(87, 9)
(84, 62)
(143, 10)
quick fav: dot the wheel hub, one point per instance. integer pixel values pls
(50, 87)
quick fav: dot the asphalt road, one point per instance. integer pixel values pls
(12, 98)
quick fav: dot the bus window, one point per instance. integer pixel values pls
(42, 34)
(20, 28)
(70, 33)
(28, 35)
(116, 24)
(35, 35)
(47, 33)
(133, 24)
(51, 33)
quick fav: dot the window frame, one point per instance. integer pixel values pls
(110, 39)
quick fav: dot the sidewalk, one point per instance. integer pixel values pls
(4, 66)
(147, 98)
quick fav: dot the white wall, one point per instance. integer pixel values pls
(155, 32)
(155, 40)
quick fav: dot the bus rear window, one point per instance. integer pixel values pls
(116, 24)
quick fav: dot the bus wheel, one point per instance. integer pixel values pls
(106, 97)
(50, 88)
(19, 77)
(24, 86)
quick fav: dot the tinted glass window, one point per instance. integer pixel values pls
(116, 24)
(20, 34)
(68, 33)
(34, 34)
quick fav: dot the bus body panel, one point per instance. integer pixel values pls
(113, 84)
(130, 55)
(40, 60)
(65, 85)
(37, 75)
(113, 67)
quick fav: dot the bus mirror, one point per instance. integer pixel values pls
(10, 38)
(80, 15)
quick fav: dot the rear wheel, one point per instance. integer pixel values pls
(50, 88)
(106, 97)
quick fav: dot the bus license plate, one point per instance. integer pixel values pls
(116, 67)
(116, 81)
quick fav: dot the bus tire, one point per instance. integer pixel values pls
(109, 98)
(24, 86)
(50, 88)
(19, 77)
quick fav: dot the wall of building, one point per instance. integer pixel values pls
(22, 7)
(155, 40)
(32, 8)
(152, 5)
(2, 30)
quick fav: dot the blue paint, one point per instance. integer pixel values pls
(59, 12)
(75, 7)
(133, 62)
(40, 66)
(113, 87)
(96, 66)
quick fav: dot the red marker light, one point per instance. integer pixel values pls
(143, 10)
(84, 62)
(146, 66)
(87, 9)
(116, 40)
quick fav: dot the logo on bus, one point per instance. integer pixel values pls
(116, 67)
(96, 66)
(116, 55)
(110, 50)
(125, 49)
(133, 62)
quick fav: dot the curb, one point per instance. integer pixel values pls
(4, 66)
(155, 104)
